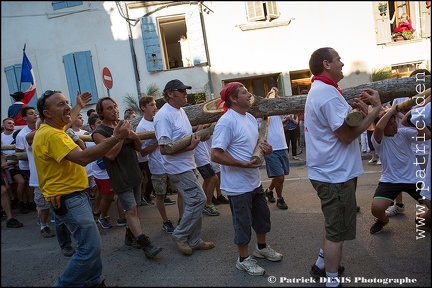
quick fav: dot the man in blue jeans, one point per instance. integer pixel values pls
(62, 178)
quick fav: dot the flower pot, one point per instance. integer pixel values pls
(398, 38)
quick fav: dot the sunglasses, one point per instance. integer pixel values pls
(180, 90)
(45, 95)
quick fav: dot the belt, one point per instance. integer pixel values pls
(73, 194)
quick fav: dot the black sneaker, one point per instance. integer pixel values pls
(215, 201)
(46, 232)
(281, 204)
(222, 199)
(317, 272)
(168, 227)
(13, 223)
(377, 226)
(269, 195)
(168, 201)
(145, 244)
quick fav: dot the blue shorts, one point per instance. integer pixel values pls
(249, 210)
(277, 163)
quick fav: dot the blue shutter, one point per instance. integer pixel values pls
(12, 82)
(71, 77)
(57, 5)
(152, 48)
(13, 77)
(195, 36)
(86, 77)
(80, 75)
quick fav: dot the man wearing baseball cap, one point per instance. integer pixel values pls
(171, 123)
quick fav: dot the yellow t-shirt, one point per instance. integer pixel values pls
(56, 175)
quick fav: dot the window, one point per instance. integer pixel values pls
(261, 10)
(385, 24)
(13, 77)
(300, 81)
(80, 75)
(57, 5)
(174, 41)
(404, 70)
(261, 85)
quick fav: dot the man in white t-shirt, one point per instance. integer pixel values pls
(333, 156)
(171, 123)
(234, 139)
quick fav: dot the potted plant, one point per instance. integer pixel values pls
(382, 7)
(404, 35)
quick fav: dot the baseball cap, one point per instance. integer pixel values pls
(176, 84)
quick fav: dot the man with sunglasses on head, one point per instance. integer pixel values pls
(171, 123)
(62, 178)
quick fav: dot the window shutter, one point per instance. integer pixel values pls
(13, 78)
(86, 76)
(195, 36)
(57, 5)
(272, 10)
(71, 77)
(255, 11)
(382, 25)
(425, 20)
(152, 48)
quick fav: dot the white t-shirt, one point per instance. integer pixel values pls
(174, 124)
(328, 159)
(397, 157)
(7, 140)
(33, 181)
(276, 134)
(140, 128)
(154, 159)
(202, 154)
(20, 144)
(419, 115)
(237, 134)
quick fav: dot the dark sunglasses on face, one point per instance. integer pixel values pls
(180, 90)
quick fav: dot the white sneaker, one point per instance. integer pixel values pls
(250, 266)
(267, 253)
(393, 210)
(372, 161)
(379, 162)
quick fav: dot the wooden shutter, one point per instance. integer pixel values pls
(255, 10)
(425, 20)
(272, 11)
(80, 75)
(152, 49)
(13, 78)
(382, 25)
(195, 36)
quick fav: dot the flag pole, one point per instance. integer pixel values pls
(22, 67)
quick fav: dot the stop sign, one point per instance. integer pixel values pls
(107, 78)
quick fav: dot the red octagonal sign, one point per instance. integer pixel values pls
(107, 78)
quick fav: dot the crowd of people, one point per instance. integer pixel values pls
(77, 181)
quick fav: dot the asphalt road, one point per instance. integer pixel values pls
(400, 253)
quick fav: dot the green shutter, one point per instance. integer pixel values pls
(382, 25)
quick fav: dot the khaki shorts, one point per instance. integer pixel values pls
(339, 206)
(159, 182)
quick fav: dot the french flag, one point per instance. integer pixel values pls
(27, 76)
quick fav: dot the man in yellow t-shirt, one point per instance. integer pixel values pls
(60, 165)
